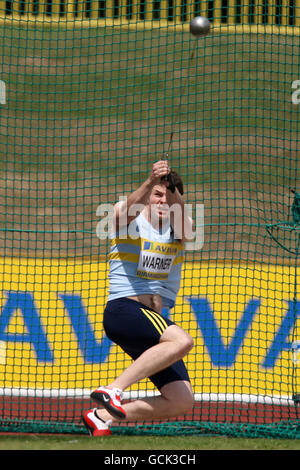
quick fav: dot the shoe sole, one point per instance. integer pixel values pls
(91, 429)
(101, 397)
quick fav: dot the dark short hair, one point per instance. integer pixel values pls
(178, 181)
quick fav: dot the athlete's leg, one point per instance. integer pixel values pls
(174, 344)
(156, 345)
(176, 398)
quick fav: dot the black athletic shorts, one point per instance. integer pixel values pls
(135, 328)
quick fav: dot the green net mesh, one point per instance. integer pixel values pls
(89, 91)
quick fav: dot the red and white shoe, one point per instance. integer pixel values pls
(110, 398)
(95, 425)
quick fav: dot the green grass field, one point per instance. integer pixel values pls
(89, 110)
(40, 442)
(73, 92)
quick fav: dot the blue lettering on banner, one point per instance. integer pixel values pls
(35, 331)
(280, 342)
(221, 356)
(95, 352)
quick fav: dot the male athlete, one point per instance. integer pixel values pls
(145, 272)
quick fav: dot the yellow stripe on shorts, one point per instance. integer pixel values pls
(157, 321)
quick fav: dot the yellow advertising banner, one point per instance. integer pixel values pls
(242, 317)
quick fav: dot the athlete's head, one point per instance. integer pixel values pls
(157, 204)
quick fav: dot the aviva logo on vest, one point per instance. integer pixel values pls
(163, 248)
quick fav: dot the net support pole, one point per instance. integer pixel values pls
(285, 12)
(297, 12)
(217, 11)
(2, 8)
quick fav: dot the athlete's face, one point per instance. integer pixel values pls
(158, 202)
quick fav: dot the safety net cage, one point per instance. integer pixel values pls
(90, 92)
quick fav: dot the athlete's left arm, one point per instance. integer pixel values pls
(180, 220)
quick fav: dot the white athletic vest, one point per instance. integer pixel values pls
(144, 261)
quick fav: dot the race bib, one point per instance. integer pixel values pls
(156, 260)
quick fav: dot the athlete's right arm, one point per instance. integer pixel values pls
(127, 210)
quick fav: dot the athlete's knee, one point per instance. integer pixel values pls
(189, 343)
(186, 343)
(187, 402)
(181, 399)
